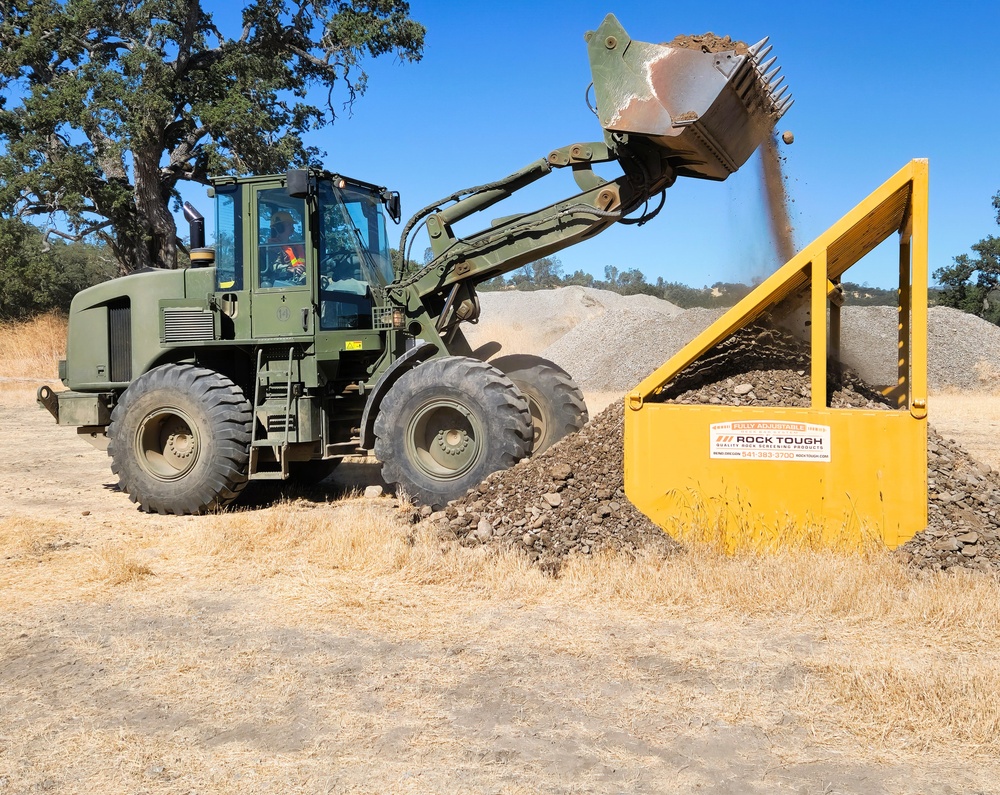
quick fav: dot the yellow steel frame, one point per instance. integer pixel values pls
(873, 482)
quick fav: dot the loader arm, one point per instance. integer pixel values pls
(667, 110)
(512, 241)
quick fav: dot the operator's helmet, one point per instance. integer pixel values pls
(282, 223)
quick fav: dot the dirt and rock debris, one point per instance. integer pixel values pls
(709, 42)
(571, 499)
(568, 499)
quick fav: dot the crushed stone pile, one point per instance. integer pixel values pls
(571, 500)
(615, 352)
(963, 351)
(609, 343)
(529, 321)
(963, 512)
(568, 499)
(764, 366)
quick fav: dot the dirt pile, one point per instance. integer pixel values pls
(571, 498)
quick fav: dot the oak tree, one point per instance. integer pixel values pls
(107, 105)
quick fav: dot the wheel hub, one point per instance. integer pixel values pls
(453, 441)
(444, 438)
(166, 444)
(180, 443)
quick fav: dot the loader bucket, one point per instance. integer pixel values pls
(708, 110)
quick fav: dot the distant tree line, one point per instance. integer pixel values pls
(548, 273)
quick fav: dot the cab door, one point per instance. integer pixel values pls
(282, 266)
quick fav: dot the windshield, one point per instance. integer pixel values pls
(353, 239)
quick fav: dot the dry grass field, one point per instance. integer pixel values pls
(317, 642)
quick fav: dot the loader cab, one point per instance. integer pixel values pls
(308, 256)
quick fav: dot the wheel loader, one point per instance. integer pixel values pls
(297, 340)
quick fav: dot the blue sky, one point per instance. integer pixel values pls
(875, 84)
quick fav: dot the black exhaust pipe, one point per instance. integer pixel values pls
(196, 221)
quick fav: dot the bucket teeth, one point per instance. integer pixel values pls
(763, 80)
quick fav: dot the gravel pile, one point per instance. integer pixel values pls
(614, 352)
(568, 499)
(529, 321)
(609, 343)
(762, 366)
(571, 498)
(963, 512)
(963, 351)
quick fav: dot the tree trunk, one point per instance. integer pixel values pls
(151, 201)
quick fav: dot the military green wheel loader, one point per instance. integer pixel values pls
(296, 340)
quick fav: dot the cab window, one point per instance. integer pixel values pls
(281, 240)
(228, 238)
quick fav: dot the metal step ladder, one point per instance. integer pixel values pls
(264, 377)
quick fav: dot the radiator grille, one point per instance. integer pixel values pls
(187, 325)
(120, 340)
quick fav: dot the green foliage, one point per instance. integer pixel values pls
(547, 273)
(37, 278)
(971, 283)
(117, 102)
(864, 295)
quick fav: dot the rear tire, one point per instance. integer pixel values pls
(447, 424)
(556, 402)
(180, 440)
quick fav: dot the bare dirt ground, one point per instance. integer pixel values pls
(315, 643)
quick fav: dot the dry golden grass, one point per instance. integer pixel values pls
(31, 351)
(905, 670)
(970, 418)
(116, 565)
(310, 646)
(884, 663)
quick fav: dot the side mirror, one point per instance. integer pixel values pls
(297, 183)
(390, 198)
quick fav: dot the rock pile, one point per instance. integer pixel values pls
(764, 366)
(963, 512)
(571, 499)
(568, 499)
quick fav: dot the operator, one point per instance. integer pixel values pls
(288, 257)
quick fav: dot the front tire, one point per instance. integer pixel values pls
(447, 424)
(180, 440)
(556, 402)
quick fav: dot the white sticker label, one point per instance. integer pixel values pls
(770, 440)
